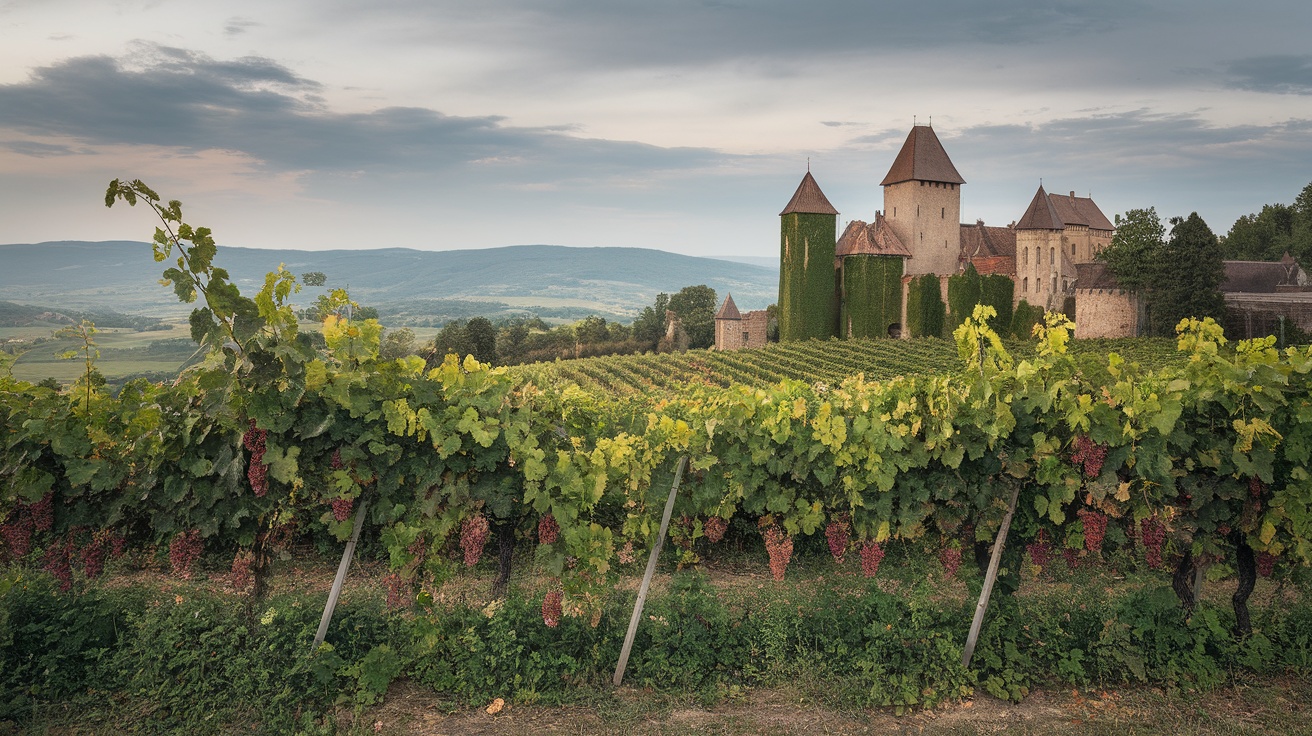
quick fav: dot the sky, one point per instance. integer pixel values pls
(683, 125)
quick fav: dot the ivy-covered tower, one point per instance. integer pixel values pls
(870, 260)
(808, 300)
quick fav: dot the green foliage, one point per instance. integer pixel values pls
(696, 307)
(1135, 253)
(998, 291)
(964, 292)
(314, 278)
(1275, 230)
(872, 295)
(925, 309)
(808, 304)
(1024, 319)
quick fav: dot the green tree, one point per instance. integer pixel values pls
(482, 339)
(397, 343)
(1136, 249)
(510, 342)
(695, 306)
(451, 340)
(1188, 277)
(649, 327)
(314, 278)
(592, 330)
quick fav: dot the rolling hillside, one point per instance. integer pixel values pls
(122, 275)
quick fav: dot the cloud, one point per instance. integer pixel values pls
(171, 97)
(1281, 74)
(237, 26)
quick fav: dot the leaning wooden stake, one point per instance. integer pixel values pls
(338, 581)
(989, 578)
(646, 578)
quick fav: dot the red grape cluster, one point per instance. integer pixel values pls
(950, 557)
(871, 555)
(257, 473)
(473, 535)
(1154, 537)
(337, 460)
(43, 513)
(1095, 528)
(780, 548)
(548, 529)
(837, 533)
(57, 562)
(184, 550)
(398, 591)
(1266, 564)
(242, 569)
(17, 532)
(95, 552)
(1072, 558)
(342, 508)
(714, 528)
(1040, 550)
(551, 608)
(1089, 454)
(1255, 487)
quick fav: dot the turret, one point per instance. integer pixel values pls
(808, 304)
(922, 203)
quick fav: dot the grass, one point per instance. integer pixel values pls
(798, 697)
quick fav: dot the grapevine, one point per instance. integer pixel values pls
(242, 569)
(1040, 550)
(43, 513)
(548, 529)
(257, 473)
(57, 562)
(1266, 564)
(342, 508)
(1089, 455)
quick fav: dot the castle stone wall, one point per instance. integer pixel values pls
(926, 217)
(1106, 313)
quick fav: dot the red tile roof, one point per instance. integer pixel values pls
(922, 158)
(1061, 211)
(728, 310)
(1094, 275)
(873, 239)
(1040, 215)
(808, 199)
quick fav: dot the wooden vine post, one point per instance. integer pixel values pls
(989, 579)
(338, 581)
(651, 570)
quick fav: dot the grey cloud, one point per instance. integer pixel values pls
(40, 150)
(170, 97)
(1283, 74)
(238, 26)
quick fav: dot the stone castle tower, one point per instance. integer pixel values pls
(922, 203)
(808, 299)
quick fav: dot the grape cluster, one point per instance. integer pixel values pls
(1095, 528)
(1072, 558)
(342, 508)
(1154, 537)
(780, 548)
(398, 591)
(837, 534)
(551, 607)
(43, 513)
(1040, 550)
(548, 529)
(1266, 564)
(57, 562)
(871, 555)
(242, 569)
(95, 552)
(1255, 487)
(257, 473)
(714, 528)
(625, 553)
(184, 550)
(950, 557)
(337, 460)
(17, 532)
(1090, 455)
(473, 535)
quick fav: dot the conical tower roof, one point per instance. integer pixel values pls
(922, 158)
(728, 310)
(808, 199)
(1041, 215)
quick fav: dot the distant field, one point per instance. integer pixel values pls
(828, 361)
(122, 352)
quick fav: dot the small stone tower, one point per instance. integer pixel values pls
(922, 203)
(808, 300)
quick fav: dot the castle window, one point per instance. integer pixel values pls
(917, 210)
(1025, 284)
(1052, 258)
(1072, 249)
(943, 213)
(1025, 257)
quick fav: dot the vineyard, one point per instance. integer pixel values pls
(1192, 457)
(811, 361)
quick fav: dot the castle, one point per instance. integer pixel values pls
(857, 284)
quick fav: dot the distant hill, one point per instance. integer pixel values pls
(122, 276)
